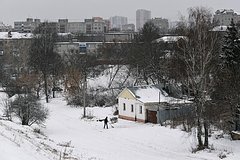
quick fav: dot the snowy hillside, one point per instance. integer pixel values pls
(88, 140)
(112, 76)
(25, 143)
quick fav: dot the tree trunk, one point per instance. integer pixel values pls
(53, 93)
(199, 134)
(206, 133)
(54, 86)
(84, 96)
(45, 86)
(24, 120)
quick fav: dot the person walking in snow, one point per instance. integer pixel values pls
(105, 123)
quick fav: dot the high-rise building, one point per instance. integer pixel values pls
(118, 22)
(142, 16)
(224, 17)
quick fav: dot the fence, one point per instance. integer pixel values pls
(174, 112)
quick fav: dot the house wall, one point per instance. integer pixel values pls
(128, 113)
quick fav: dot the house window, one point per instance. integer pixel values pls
(131, 107)
(140, 109)
(124, 106)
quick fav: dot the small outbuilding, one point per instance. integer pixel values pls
(144, 103)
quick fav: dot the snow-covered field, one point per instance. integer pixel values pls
(87, 140)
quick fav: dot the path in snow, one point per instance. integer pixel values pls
(127, 140)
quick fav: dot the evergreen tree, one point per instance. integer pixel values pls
(145, 55)
(229, 76)
(231, 47)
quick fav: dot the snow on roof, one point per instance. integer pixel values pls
(220, 28)
(170, 38)
(64, 34)
(15, 35)
(153, 94)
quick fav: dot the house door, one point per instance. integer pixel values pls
(152, 116)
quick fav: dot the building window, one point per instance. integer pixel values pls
(131, 107)
(140, 109)
(124, 106)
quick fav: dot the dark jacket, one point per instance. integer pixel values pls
(106, 120)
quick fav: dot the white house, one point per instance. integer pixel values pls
(141, 103)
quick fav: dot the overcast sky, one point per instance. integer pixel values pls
(77, 10)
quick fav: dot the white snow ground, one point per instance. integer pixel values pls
(89, 141)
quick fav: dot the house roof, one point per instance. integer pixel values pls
(220, 28)
(170, 39)
(153, 94)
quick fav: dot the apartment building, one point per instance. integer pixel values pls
(95, 25)
(63, 23)
(76, 27)
(223, 17)
(142, 16)
(118, 22)
(27, 26)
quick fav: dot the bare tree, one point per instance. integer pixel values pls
(198, 54)
(14, 62)
(78, 68)
(42, 56)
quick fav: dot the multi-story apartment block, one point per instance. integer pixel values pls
(63, 25)
(161, 23)
(128, 28)
(142, 16)
(98, 25)
(95, 25)
(55, 26)
(118, 22)
(223, 17)
(27, 26)
(76, 27)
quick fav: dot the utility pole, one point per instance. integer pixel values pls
(84, 94)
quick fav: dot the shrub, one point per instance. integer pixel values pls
(29, 110)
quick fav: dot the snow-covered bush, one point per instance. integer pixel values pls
(28, 109)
